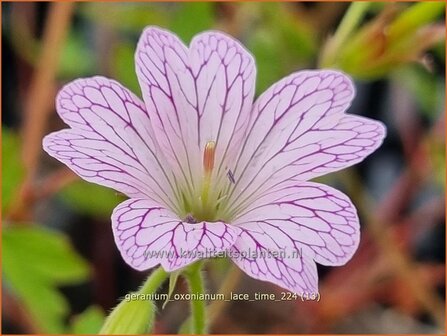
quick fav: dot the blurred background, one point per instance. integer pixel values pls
(61, 271)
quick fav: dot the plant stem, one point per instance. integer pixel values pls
(350, 21)
(39, 103)
(348, 24)
(154, 281)
(198, 310)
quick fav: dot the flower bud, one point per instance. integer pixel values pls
(131, 316)
(395, 37)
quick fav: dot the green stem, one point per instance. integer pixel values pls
(198, 310)
(348, 24)
(154, 281)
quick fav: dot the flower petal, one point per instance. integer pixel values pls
(111, 141)
(299, 130)
(256, 254)
(147, 235)
(196, 95)
(310, 217)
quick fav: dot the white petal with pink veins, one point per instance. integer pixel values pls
(330, 236)
(255, 254)
(299, 130)
(147, 235)
(196, 95)
(111, 141)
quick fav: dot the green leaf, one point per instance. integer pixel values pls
(35, 262)
(280, 45)
(88, 322)
(46, 253)
(13, 170)
(192, 18)
(126, 17)
(415, 17)
(264, 46)
(437, 151)
(123, 68)
(427, 89)
(76, 59)
(90, 198)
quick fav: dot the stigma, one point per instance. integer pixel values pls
(208, 157)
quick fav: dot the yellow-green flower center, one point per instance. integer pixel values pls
(205, 204)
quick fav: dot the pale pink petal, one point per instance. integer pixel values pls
(111, 141)
(147, 235)
(310, 217)
(299, 130)
(196, 95)
(259, 255)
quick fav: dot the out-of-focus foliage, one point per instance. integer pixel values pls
(12, 167)
(191, 18)
(278, 41)
(436, 147)
(90, 198)
(186, 19)
(76, 59)
(36, 261)
(124, 66)
(428, 90)
(126, 17)
(398, 35)
(88, 322)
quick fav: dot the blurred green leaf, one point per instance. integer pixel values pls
(281, 44)
(35, 262)
(427, 89)
(48, 254)
(12, 171)
(191, 18)
(91, 198)
(437, 151)
(88, 322)
(127, 17)
(123, 68)
(76, 59)
(415, 17)
(439, 51)
(298, 39)
(263, 45)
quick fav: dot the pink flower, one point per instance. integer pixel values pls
(210, 172)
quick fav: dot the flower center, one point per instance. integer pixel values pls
(206, 202)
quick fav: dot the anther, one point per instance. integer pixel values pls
(231, 176)
(208, 157)
(190, 219)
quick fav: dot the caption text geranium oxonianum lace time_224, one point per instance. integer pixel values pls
(209, 170)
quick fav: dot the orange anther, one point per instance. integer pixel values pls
(208, 156)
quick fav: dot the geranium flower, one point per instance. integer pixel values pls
(208, 171)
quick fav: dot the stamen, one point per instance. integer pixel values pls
(208, 157)
(231, 176)
(190, 219)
